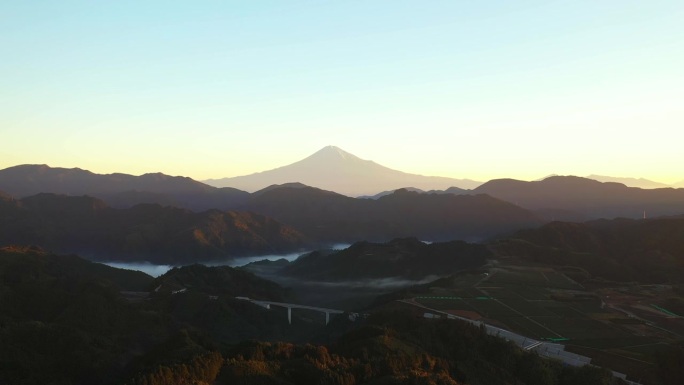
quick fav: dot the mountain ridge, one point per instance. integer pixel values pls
(117, 189)
(631, 182)
(145, 232)
(589, 198)
(330, 217)
(552, 198)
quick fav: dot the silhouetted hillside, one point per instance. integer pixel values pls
(203, 298)
(649, 251)
(148, 232)
(63, 320)
(631, 182)
(586, 197)
(219, 281)
(331, 217)
(450, 190)
(277, 186)
(119, 190)
(303, 216)
(388, 192)
(401, 258)
(24, 263)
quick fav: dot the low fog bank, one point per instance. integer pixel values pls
(344, 295)
(146, 267)
(353, 295)
(387, 283)
(155, 270)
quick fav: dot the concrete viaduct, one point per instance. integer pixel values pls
(290, 306)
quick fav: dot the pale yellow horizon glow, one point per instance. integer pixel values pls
(465, 90)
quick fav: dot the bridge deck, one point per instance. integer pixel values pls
(297, 306)
(292, 305)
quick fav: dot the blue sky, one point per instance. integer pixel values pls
(465, 89)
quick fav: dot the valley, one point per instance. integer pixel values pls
(627, 327)
(298, 284)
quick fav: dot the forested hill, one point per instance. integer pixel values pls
(649, 251)
(406, 258)
(400, 348)
(331, 217)
(291, 219)
(147, 232)
(219, 281)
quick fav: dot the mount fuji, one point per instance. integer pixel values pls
(334, 169)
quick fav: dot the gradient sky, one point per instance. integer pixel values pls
(466, 89)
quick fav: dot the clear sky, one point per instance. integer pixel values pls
(466, 89)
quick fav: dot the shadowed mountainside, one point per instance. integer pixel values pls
(388, 192)
(334, 169)
(450, 190)
(145, 232)
(302, 217)
(566, 198)
(406, 258)
(331, 217)
(18, 263)
(119, 190)
(63, 320)
(619, 249)
(219, 281)
(586, 197)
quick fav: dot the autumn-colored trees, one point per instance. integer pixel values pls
(201, 370)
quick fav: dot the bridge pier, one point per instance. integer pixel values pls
(290, 306)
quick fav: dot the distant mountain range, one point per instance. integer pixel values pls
(101, 215)
(634, 182)
(118, 190)
(330, 217)
(289, 219)
(575, 198)
(333, 169)
(450, 190)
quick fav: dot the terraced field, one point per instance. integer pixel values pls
(545, 304)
